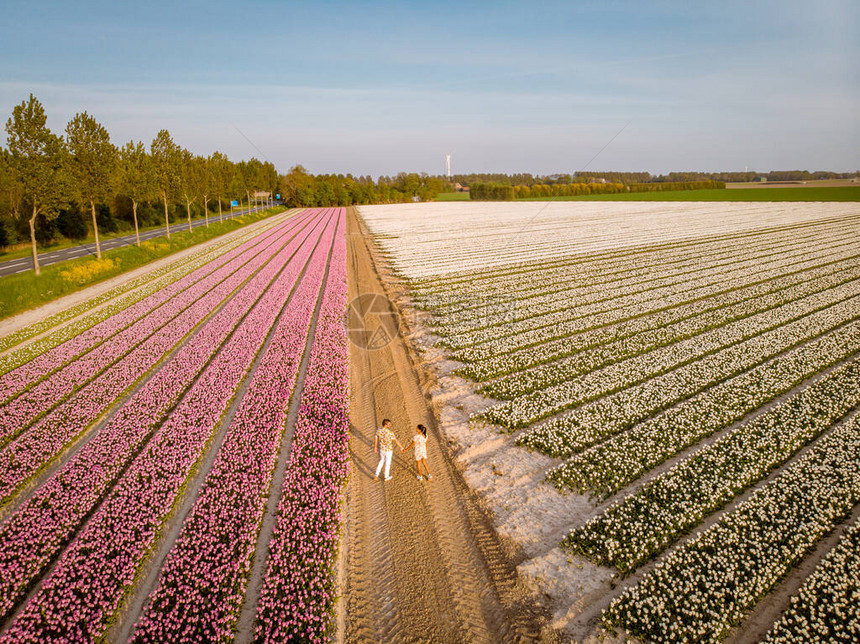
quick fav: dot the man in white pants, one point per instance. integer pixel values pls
(383, 444)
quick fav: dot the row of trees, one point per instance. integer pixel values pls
(43, 174)
(482, 191)
(300, 188)
(631, 178)
(545, 190)
(502, 192)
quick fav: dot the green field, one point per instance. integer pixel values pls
(740, 194)
(452, 196)
(27, 290)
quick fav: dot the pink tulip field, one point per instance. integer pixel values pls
(176, 410)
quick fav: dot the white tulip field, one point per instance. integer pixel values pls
(691, 370)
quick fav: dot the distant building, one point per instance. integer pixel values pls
(761, 179)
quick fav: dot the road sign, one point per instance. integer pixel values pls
(234, 204)
(278, 196)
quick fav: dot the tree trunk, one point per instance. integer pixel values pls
(188, 211)
(96, 229)
(166, 220)
(206, 209)
(220, 216)
(33, 240)
(134, 214)
(249, 201)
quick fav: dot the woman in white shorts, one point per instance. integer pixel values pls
(419, 442)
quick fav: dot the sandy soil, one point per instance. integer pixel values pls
(421, 560)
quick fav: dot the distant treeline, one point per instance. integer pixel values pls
(501, 192)
(481, 191)
(300, 188)
(631, 178)
(706, 184)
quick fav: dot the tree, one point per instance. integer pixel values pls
(92, 164)
(298, 188)
(38, 157)
(189, 179)
(205, 186)
(11, 186)
(222, 175)
(165, 163)
(244, 178)
(270, 180)
(136, 177)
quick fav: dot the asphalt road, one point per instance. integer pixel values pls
(45, 259)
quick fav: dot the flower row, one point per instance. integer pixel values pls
(39, 444)
(553, 325)
(679, 334)
(607, 467)
(204, 577)
(574, 277)
(712, 356)
(604, 417)
(459, 287)
(707, 585)
(516, 307)
(32, 536)
(298, 594)
(57, 384)
(454, 237)
(124, 295)
(795, 284)
(826, 608)
(641, 525)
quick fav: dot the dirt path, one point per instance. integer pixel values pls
(421, 559)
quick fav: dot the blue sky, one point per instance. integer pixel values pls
(375, 88)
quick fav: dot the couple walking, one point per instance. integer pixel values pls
(383, 444)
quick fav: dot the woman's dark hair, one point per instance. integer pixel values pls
(385, 422)
(423, 430)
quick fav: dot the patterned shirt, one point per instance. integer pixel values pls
(385, 437)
